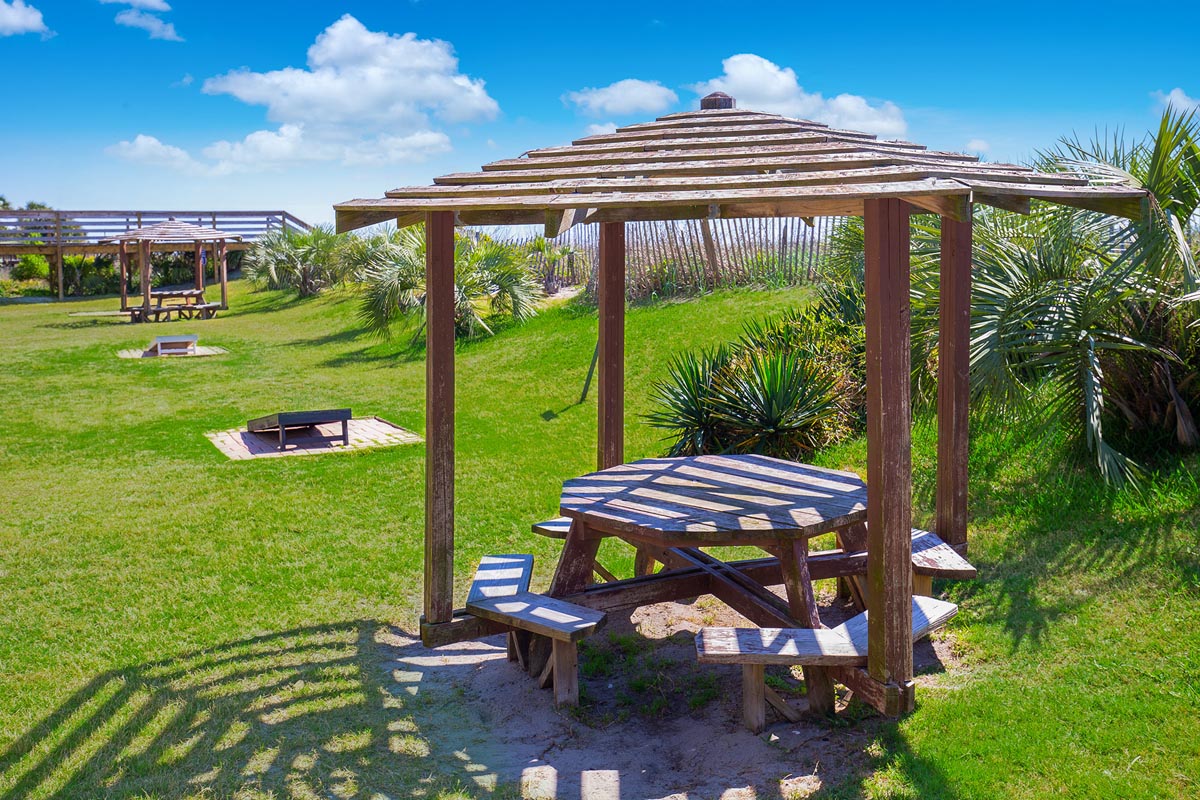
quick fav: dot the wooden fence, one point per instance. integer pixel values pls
(690, 256)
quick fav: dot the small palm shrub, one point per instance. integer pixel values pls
(493, 280)
(306, 262)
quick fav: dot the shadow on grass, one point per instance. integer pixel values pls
(1068, 539)
(299, 713)
(894, 770)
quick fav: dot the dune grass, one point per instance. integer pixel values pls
(137, 564)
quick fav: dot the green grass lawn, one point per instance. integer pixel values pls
(135, 560)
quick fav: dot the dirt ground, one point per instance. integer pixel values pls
(652, 722)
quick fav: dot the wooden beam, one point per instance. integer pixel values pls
(954, 363)
(439, 416)
(123, 262)
(611, 291)
(144, 266)
(222, 263)
(889, 439)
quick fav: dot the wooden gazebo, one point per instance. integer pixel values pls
(718, 162)
(177, 234)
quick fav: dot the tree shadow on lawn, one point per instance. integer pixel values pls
(361, 709)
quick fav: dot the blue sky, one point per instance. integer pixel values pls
(198, 105)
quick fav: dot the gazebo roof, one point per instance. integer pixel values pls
(174, 230)
(728, 162)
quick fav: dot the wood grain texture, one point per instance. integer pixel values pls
(537, 613)
(954, 364)
(747, 165)
(709, 500)
(611, 387)
(501, 576)
(889, 451)
(439, 416)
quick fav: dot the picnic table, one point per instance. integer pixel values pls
(293, 420)
(672, 507)
(180, 303)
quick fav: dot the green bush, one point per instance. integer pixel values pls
(31, 268)
(34, 288)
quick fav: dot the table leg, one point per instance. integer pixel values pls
(794, 563)
(575, 565)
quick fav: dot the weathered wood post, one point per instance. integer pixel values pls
(610, 286)
(123, 261)
(198, 263)
(954, 364)
(439, 416)
(221, 269)
(889, 452)
(144, 266)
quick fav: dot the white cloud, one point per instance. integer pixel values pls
(155, 26)
(761, 85)
(145, 5)
(365, 98)
(978, 146)
(630, 96)
(149, 150)
(364, 78)
(17, 17)
(1177, 99)
(601, 127)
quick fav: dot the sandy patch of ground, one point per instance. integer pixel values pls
(653, 723)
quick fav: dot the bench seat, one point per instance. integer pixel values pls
(845, 645)
(500, 593)
(933, 557)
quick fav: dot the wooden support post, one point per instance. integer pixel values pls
(754, 700)
(710, 253)
(221, 256)
(123, 266)
(611, 291)
(889, 443)
(144, 266)
(58, 253)
(954, 364)
(439, 416)
(566, 673)
(197, 263)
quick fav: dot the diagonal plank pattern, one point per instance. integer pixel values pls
(713, 499)
(728, 163)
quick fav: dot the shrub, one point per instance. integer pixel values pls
(305, 263)
(31, 268)
(492, 280)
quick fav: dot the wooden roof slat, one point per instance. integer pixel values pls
(728, 163)
(865, 175)
(863, 158)
(713, 142)
(701, 154)
(704, 132)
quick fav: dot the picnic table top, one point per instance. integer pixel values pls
(176, 292)
(715, 500)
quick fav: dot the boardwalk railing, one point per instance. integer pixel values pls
(49, 232)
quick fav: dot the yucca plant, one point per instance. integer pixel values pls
(685, 402)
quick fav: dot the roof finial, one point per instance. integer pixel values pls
(717, 100)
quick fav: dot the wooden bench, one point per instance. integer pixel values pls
(500, 593)
(301, 419)
(845, 645)
(174, 345)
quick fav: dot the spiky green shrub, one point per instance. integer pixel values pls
(305, 262)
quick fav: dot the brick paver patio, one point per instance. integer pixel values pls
(239, 444)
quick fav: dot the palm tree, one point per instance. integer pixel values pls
(491, 279)
(306, 262)
(1090, 316)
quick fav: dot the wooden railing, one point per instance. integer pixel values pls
(76, 229)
